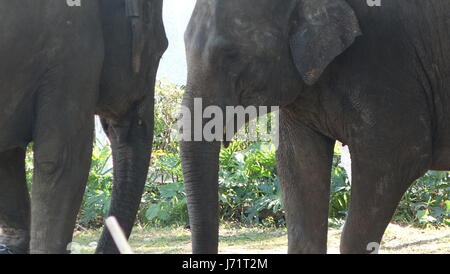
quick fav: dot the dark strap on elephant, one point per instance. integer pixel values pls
(133, 9)
(5, 249)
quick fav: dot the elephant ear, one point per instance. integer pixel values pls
(134, 10)
(325, 29)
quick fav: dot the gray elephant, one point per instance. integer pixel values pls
(375, 78)
(61, 63)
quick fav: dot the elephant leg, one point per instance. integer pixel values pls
(14, 203)
(378, 184)
(60, 175)
(63, 130)
(304, 167)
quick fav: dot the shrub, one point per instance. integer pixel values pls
(97, 197)
(248, 185)
(427, 202)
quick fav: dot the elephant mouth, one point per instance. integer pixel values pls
(119, 132)
(230, 129)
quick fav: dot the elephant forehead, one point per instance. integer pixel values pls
(245, 20)
(241, 16)
(258, 35)
(254, 40)
(247, 26)
(249, 6)
(254, 30)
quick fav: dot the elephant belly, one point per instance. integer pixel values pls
(441, 159)
(441, 135)
(17, 91)
(19, 82)
(22, 64)
(441, 144)
(16, 129)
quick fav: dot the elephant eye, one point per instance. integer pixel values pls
(231, 55)
(230, 61)
(140, 122)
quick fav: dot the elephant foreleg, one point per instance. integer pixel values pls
(60, 175)
(63, 137)
(304, 167)
(14, 203)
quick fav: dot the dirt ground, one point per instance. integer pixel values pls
(238, 240)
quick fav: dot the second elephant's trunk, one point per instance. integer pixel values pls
(200, 167)
(131, 158)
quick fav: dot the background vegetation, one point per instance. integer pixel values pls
(249, 192)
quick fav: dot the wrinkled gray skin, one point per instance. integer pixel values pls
(374, 78)
(60, 66)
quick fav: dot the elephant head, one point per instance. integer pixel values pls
(251, 53)
(134, 43)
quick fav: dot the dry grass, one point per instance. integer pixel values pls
(238, 240)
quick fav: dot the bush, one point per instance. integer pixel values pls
(164, 201)
(427, 202)
(248, 185)
(97, 197)
(339, 192)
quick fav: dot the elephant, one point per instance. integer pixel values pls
(62, 63)
(375, 78)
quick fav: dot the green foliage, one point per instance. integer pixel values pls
(167, 206)
(248, 185)
(427, 202)
(29, 165)
(339, 193)
(339, 190)
(97, 197)
(164, 201)
(167, 102)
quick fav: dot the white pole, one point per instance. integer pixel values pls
(118, 235)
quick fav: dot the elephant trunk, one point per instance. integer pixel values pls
(200, 163)
(131, 157)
